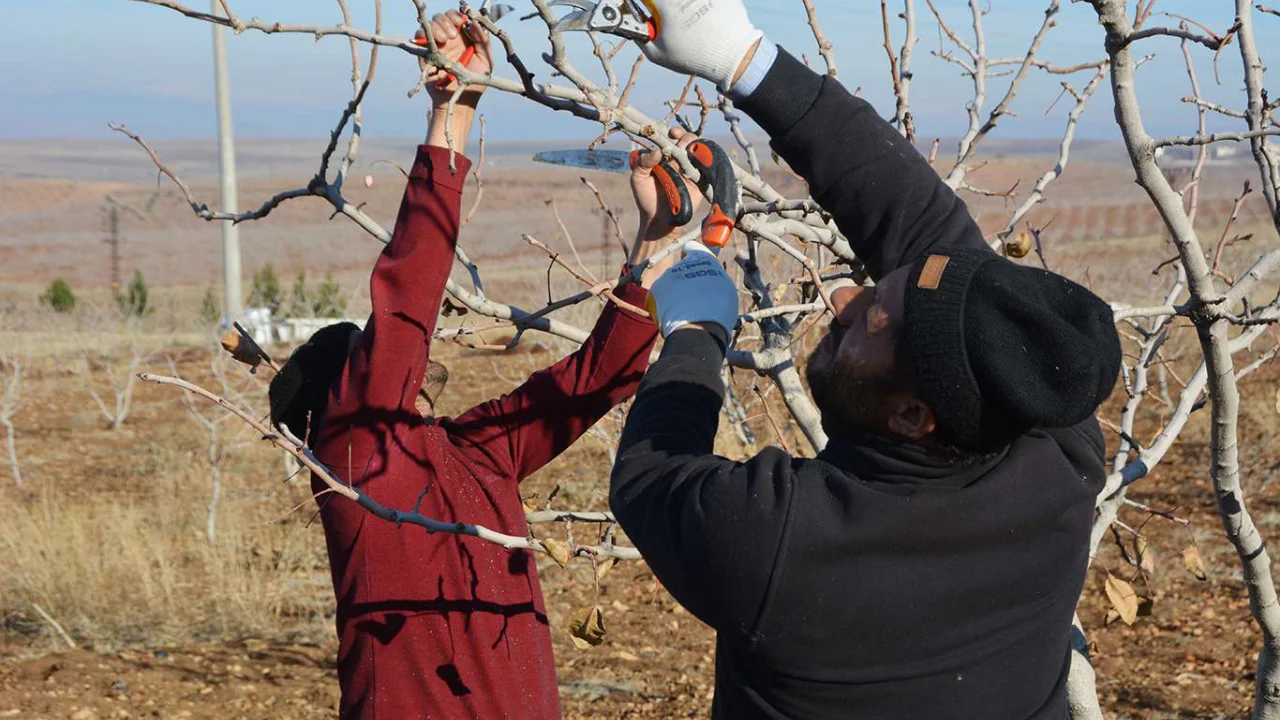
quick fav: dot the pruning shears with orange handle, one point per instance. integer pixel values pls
(667, 176)
(494, 13)
(712, 163)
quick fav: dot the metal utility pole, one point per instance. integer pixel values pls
(232, 296)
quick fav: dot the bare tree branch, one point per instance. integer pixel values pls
(825, 48)
(295, 447)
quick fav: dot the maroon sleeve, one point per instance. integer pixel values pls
(525, 430)
(375, 395)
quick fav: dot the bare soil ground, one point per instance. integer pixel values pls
(1191, 658)
(108, 534)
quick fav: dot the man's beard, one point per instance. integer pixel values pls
(842, 395)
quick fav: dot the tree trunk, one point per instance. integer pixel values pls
(212, 522)
(13, 453)
(1241, 531)
(215, 459)
(1082, 693)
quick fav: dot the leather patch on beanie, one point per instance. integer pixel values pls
(931, 275)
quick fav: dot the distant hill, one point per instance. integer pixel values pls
(292, 161)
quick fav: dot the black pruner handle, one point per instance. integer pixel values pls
(671, 186)
(717, 173)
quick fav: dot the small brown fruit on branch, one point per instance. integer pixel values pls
(1018, 246)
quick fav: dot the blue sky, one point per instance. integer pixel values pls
(73, 65)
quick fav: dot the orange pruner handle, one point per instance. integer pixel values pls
(468, 55)
(717, 229)
(655, 19)
(671, 186)
(718, 174)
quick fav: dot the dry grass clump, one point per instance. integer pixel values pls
(124, 569)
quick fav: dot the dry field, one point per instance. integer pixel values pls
(108, 535)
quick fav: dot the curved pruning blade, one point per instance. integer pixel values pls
(579, 20)
(497, 12)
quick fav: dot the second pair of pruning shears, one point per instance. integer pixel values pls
(635, 20)
(712, 163)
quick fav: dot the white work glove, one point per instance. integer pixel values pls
(695, 290)
(707, 38)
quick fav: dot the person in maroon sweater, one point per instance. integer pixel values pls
(444, 626)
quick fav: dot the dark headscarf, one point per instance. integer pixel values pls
(300, 391)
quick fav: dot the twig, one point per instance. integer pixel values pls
(777, 430)
(54, 623)
(825, 48)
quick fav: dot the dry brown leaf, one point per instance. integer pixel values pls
(603, 566)
(1194, 563)
(1111, 617)
(586, 627)
(1278, 401)
(1123, 598)
(559, 551)
(1146, 556)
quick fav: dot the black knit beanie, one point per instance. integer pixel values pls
(1000, 348)
(301, 388)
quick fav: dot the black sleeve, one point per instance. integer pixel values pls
(884, 196)
(711, 529)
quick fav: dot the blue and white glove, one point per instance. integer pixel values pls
(695, 290)
(707, 38)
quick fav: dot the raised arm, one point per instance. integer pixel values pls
(385, 370)
(711, 529)
(523, 431)
(885, 198)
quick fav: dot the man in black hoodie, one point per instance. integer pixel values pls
(928, 562)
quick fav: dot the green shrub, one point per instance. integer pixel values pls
(299, 297)
(133, 301)
(266, 291)
(210, 308)
(329, 301)
(59, 297)
(325, 301)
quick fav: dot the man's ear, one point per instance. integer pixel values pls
(912, 419)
